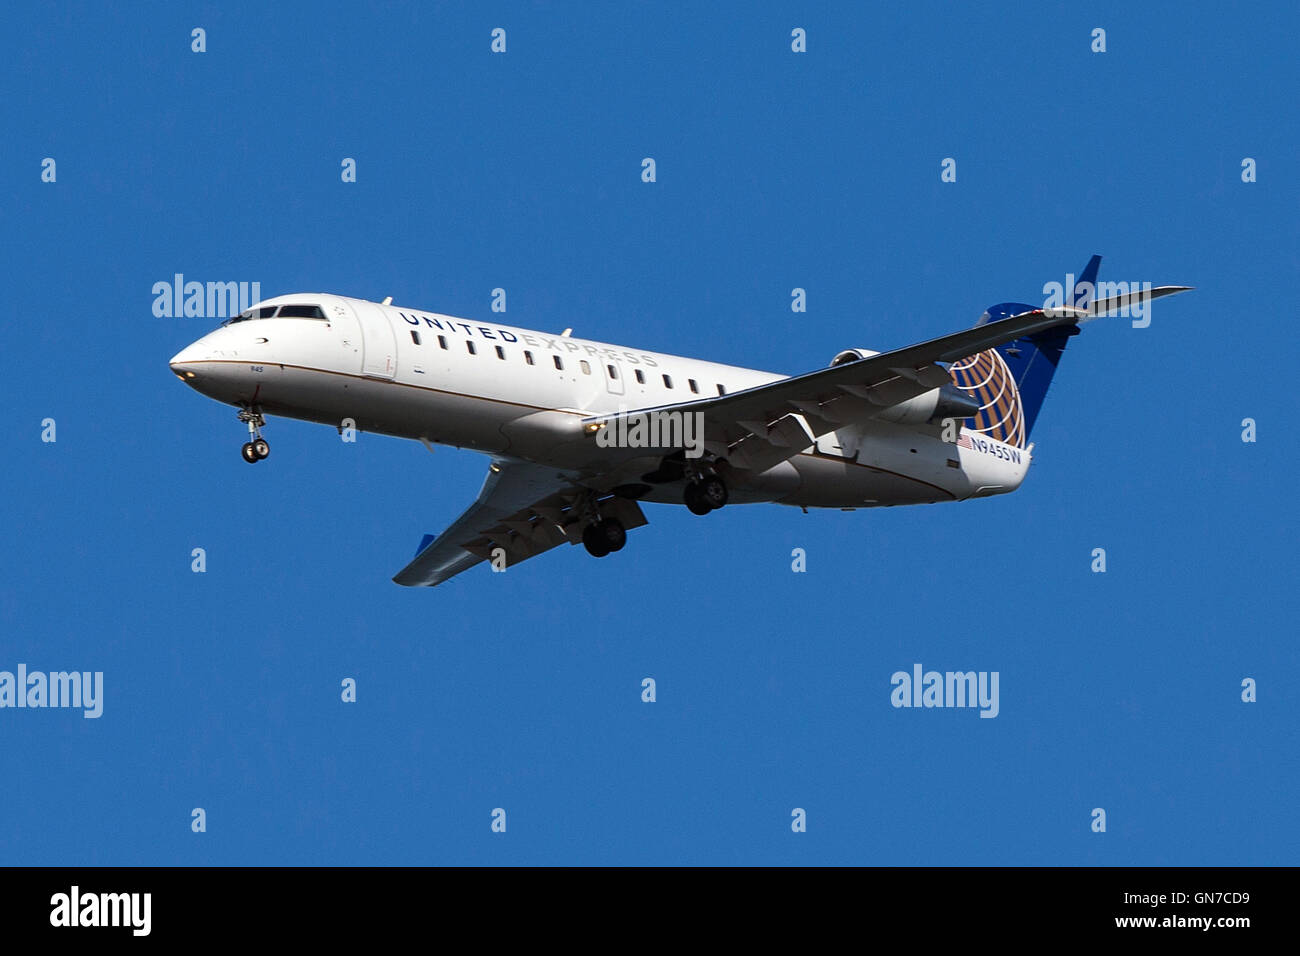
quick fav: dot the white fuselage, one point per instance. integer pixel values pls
(522, 394)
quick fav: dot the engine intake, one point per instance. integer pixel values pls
(851, 355)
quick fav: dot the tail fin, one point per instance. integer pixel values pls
(1011, 380)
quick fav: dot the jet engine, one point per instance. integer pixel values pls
(946, 401)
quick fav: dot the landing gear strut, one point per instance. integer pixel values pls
(706, 493)
(256, 448)
(604, 537)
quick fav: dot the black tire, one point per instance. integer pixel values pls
(694, 498)
(614, 534)
(249, 453)
(593, 539)
(261, 448)
(714, 491)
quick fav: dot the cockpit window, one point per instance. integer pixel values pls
(301, 312)
(285, 312)
(265, 312)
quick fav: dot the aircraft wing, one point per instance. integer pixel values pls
(765, 425)
(522, 508)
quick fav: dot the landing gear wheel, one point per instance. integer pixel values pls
(256, 448)
(714, 491)
(707, 494)
(694, 498)
(614, 534)
(604, 537)
(593, 539)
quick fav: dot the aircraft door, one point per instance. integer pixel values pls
(379, 352)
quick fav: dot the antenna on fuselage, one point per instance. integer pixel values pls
(565, 334)
(388, 300)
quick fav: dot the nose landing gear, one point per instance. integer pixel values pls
(256, 448)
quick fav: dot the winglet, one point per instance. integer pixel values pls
(424, 543)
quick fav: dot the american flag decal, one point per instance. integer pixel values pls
(963, 440)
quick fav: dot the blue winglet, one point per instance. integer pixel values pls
(424, 543)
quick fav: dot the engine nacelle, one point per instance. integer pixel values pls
(946, 401)
(851, 355)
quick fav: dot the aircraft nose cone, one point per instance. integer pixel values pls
(180, 362)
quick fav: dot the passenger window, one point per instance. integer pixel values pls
(501, 353)
(586, 367)
(470, 346)
(442, 341)
(694, 388)
(668, 381)
(721, 390)
(613, 372)
(415, 336)
(528, 357)
(558, 363)
(640, 377)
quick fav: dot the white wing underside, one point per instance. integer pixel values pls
(523, 509)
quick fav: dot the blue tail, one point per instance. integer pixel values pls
(1011, 380)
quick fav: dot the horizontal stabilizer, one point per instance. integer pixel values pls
(1137, 297)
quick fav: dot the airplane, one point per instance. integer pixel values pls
(581, 433)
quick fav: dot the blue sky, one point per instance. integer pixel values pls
(775, 170)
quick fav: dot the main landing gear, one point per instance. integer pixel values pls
(706, 493)
(256, 448)
(604, 534)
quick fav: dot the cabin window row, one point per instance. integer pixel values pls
(583, 364)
